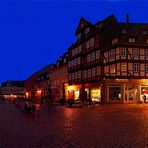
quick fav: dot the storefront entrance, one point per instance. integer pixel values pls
(114, 93)
(130, 93)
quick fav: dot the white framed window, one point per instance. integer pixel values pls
(135, 52)
(146, 53)
(98, 70)
(131, 40)
(112, 69)
(75, 75)
(92, 56)
(69, 64)
(78, 60)
(146, 67)
(93, 72)
(124, 31)
(136, 67)
(79, 74)
(76, 51)
(89, 73)
(123, 52)
(92, 42)
(87, 30)
(87, 45)
(74, 62)
(123, 67)
(88, 58)
(97, 54)
(143, 32)
(115, 40)
(79, 36)
(112, 55)
(84, 74)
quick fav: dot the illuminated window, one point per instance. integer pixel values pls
(146, 53)
(123, 52)
(136, 67)
(92, 42)
(135, 52)
(112, 69)
(123, 67)
(97, 54)
(114, 41)
(146, 67)
(87, 30)
(112, 55)
(89, 73)
(131, 40)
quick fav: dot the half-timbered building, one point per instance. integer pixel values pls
(108, 61)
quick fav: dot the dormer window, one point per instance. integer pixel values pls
(143, 32)
(87, 30)
(124, 31)
(131, 40)
(79, 36)
(115, 40)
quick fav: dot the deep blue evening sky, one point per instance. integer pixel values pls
(35, 33)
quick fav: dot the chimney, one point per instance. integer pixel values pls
(127, 19)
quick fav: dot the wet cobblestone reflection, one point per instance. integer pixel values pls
(102, 126)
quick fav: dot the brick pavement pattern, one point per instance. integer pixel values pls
(100, 126)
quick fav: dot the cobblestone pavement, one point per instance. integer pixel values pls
(100, 126)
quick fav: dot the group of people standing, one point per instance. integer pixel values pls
(32, 107)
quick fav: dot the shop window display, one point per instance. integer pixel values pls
(130, 93)
(96, 94)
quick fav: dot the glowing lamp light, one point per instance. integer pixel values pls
(39, 91)
(27, 94)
